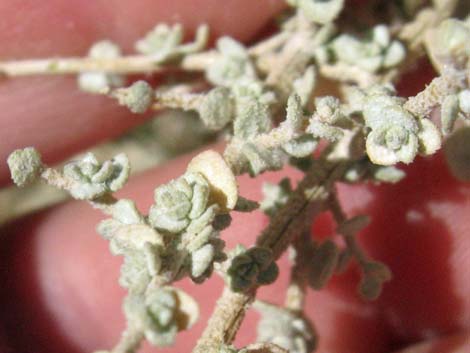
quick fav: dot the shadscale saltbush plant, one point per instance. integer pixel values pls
(263, 99)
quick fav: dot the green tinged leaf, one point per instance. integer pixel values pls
(92, 179)
(252, 118)
(323, 264)
(252, 267)
(25, 166)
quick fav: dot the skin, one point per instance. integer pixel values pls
(59, 282)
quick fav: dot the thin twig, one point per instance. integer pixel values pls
(132, 64)
(61, 66)
(130, 340)
(350, 240)
(225, 320)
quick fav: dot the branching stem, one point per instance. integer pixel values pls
(306, 202)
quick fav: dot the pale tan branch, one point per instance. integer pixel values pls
(225, 320)
(130, 341)
(133, 64)
(60, 66)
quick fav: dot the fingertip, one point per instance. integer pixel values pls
(68, 27)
